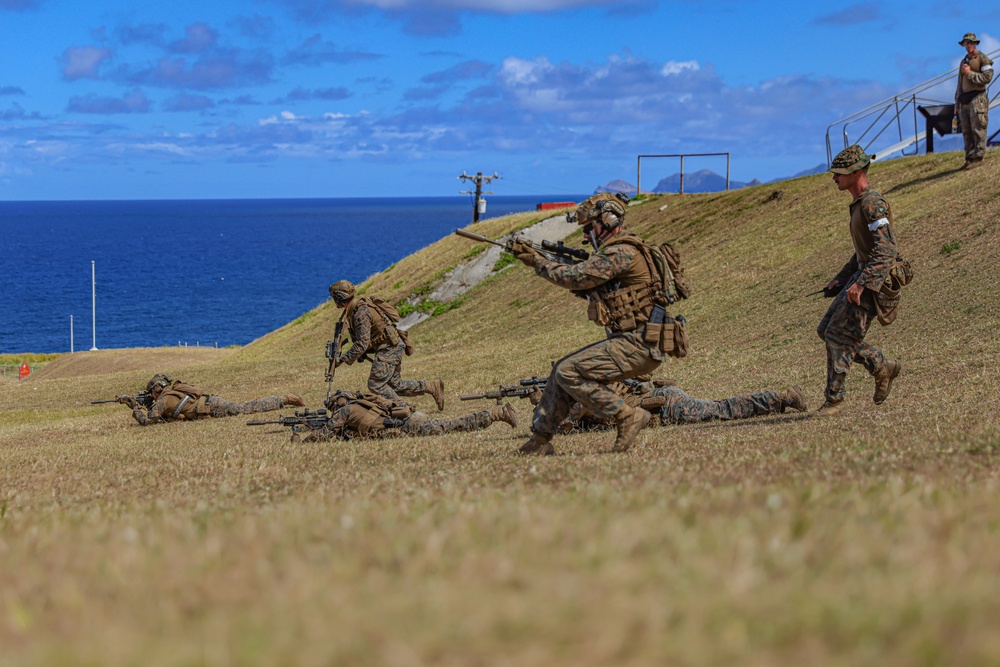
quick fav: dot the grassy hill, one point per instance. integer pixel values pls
(865, 539)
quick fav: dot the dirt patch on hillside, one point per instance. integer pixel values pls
(105, 362)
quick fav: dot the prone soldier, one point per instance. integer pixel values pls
(173, 400)
(371, 415)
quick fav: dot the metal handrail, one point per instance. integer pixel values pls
(890, 110)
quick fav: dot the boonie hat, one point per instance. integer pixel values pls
(969, 37)
(850, 160)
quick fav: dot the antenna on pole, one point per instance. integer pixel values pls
(479, 205)
(93, 304)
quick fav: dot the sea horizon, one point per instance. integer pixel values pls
(205, 272)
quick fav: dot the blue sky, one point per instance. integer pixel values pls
(115, 99)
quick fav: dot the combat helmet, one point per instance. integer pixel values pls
(159, 380)
(850, 160)
(342, 291)
(605, 207)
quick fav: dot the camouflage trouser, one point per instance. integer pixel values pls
(582, 377)
(843, 329)
(683, 409)
(421, 424)
(220, 407)
(974, 117)
(385, 380)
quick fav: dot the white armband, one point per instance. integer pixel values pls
(881, 222)
(986, 68)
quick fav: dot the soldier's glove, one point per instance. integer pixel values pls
(535, 397)
(526, 254)
(127, 400)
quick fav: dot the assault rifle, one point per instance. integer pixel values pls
(523, 389)
(555, 251)
(312, 419)
(828, 293)
(333, 348)
(143, 398)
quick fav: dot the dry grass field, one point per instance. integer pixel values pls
(871, 538)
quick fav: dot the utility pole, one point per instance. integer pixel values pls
(479, 206)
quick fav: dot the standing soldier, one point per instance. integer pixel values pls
(174, 400)
(972, 104)
(372, 324)
(867, 286)
(629, 286)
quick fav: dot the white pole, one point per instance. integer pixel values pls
(93, 305)
(71, 334)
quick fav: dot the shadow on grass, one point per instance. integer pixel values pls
(920, 181)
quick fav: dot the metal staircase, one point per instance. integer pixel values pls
(898, 119)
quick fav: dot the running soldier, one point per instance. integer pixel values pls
(372, 325)
(867, 287)
(174, 400)
(628, 287)
(371, 416)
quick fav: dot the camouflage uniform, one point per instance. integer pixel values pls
(680, 408)
(845, 324)
(193, 403)
(370, 415)
(384, 379)
(583, 376)
(974, 102)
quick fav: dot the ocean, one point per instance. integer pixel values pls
(206, 272)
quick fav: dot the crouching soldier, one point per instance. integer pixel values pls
(173, 400)
(372, 416)
(372, 325)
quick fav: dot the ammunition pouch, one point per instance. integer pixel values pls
(667, 333)
(887, 298)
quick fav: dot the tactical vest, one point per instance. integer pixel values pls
(383, 330)
(184, 401)
(625, 302)
(368, 413)
(976, 63)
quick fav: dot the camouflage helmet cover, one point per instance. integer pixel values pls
(158, 380)
(342, 291)
(850, 160)
(969, 37)
(593, 208)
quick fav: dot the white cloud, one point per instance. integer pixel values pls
(672, 68)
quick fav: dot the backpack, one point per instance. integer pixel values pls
(385, 308)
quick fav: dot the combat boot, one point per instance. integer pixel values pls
(293, 399)
(629, 427)
(539, 444)
(793, 398)
(829, 409)
(436, 389)
(504, 413)
(884, 378)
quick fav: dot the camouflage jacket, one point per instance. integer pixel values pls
(603, 266)
(875, 250)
